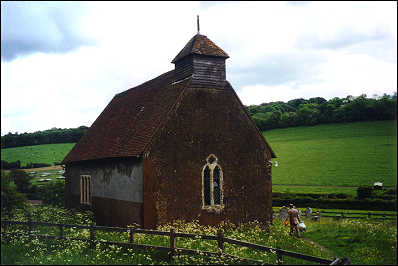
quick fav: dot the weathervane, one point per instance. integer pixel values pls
(198, 23)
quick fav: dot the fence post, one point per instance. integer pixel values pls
(220, 240)
(92, 235)
(5, 232)
(61, 232)
(30, 226)
(172, 243)
(279, 256)
(131, 235)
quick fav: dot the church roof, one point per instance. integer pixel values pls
(127, 124)
(200, 44)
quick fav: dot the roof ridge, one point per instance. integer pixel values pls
(205, 47)
(147, 82)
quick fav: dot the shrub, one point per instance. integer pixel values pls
(364, 192)
(338, 196)
(353, 204)
(21, 180)
(32, 193)
(36, 165)
(391, 191)
(52, 193)
(10, 198)
(10, 165)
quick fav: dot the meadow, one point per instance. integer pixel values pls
(364, 242)
(46, 153)
(328, 158)
(334, 157)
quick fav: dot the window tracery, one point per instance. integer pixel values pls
(212, 184)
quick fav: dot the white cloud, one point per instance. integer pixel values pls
(339, 76)
(278, 51)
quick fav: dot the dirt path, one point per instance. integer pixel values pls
(330, 253)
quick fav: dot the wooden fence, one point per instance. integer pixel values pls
(385, 216)
(172, 249)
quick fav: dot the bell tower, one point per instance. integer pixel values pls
(201, 59)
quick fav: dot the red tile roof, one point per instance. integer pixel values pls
(200, 44)
(129, 121)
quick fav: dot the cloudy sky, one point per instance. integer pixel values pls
(62, 62)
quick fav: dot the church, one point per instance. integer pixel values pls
(179, 146)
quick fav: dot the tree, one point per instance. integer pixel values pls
(10, 198)
(21, 180)
(317, 100)
(288, 119)
(308, 114)
(296, 102)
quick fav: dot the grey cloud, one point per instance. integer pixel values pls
(49, 27)
(384, 49)
(378, 43)
(342, 39)
(277, 69)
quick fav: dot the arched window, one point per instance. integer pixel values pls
(212, 183)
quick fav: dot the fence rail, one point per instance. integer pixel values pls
(172, 249)
(363, 213)
(385, 216)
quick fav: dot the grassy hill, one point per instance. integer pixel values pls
(324, 158)
(46, 153)
(334, 155)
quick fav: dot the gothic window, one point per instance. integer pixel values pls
(212, 183)
(85, 189)
(206, 186)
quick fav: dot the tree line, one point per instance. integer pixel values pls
(297, 112)
(302, 112)
(50, 136)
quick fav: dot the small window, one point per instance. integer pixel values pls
(212, 183)
(85, 189)
(206, 188)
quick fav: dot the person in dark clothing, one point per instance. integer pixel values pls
(294, 219)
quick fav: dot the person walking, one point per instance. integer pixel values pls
(294, 219)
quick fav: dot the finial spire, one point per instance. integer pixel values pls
(198, 23)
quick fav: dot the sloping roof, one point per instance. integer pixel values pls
(126, 126)
(129, 121)
(200, 44)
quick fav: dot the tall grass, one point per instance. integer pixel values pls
(364, 242)
(22, 251)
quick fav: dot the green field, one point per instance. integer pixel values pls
(47, 153)
(315, 159)
(334, 157)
